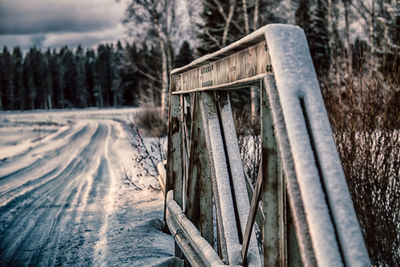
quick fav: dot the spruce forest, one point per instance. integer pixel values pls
(110, 76)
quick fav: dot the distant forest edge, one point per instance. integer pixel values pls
(110, 76)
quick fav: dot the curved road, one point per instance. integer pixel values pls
(60, 201)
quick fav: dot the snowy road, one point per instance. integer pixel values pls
(63, 196)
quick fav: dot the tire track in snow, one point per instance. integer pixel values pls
(32, 145)
(89, 224)
(34, 160)
(101, 249)
(17, 184)
(45, 210)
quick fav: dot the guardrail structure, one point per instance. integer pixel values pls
(306, 215)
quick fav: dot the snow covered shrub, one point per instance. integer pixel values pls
(249, 141)
(364, 112)
(149, 151)
(149, 120)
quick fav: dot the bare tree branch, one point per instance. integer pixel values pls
(232, 5)
(147, 75)
(212, 38)
(221, 9)
(245, 17)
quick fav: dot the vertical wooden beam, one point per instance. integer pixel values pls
(174, 155)
(221, 186)
(206, 222)
(199, 197)
(283, 207)
(293, 254)
(184, 155)
(238, 181)
(251, 218)
(298, 237)
(193, 196)
(271, 200)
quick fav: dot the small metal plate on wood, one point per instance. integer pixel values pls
(246, 63)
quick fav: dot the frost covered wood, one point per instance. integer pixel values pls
(296, 81)
(299, 158)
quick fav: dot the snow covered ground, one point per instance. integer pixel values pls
(64, 199)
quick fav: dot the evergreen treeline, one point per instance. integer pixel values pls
(110, 76)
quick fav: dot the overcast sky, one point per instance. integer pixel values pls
(54, 23)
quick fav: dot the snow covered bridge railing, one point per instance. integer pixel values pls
(307, 216)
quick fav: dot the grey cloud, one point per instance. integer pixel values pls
(45, 16)
(87, 39)
(22, 41)
(38, 40)
(57, 40)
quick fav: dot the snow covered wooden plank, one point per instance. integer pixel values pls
(197, 250)
(240, 61)
(224, 206)
(249, 40)
(239, 84)
(240, 65)
(237, 176)
(303, 242)
(316, 160)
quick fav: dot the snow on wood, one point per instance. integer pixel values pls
(199, 247)
(244, 64)
(238, 179)
(296, 81)
(294, 197)
(221, 184)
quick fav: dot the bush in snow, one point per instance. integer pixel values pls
(148, 141)
(364, 112)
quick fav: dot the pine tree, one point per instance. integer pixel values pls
(90, 77)
(28, 80)
(56, 73)
(48, 83)
(105, 74)
(118, 73)
(82, 91)
(17, 75)
(311, 15)
(185, 55)
(69, 78)
(131, 79)
(2, 82)
(7, 84)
